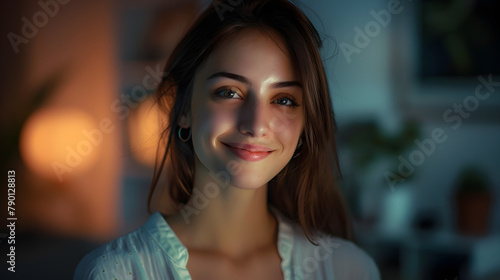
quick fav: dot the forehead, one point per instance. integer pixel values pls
(252, 53)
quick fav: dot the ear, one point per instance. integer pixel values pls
(185, 121)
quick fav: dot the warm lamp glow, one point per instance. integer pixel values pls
(59, 143)
(144, 132)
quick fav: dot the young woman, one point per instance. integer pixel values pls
(250, 159)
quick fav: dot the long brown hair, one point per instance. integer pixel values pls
(306, 190)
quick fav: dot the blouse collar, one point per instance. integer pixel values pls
(285, 242)
(168, 241)
(166, 238)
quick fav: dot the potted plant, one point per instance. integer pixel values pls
(473, 200)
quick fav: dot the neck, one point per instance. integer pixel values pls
(232, 221)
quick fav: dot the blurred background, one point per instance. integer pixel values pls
(415, 87)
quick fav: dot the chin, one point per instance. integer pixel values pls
(248, 185)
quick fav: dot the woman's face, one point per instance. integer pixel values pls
(246, 111)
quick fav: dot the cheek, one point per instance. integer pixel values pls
(289, 140)
(287, 127)
(209, 122)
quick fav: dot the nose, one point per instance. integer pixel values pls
(254, 119)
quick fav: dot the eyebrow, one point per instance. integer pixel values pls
(247, 82)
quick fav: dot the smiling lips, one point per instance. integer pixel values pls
(249, 152)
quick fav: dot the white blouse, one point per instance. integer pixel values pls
(154, 252)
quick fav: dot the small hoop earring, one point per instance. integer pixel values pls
(180, 134)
